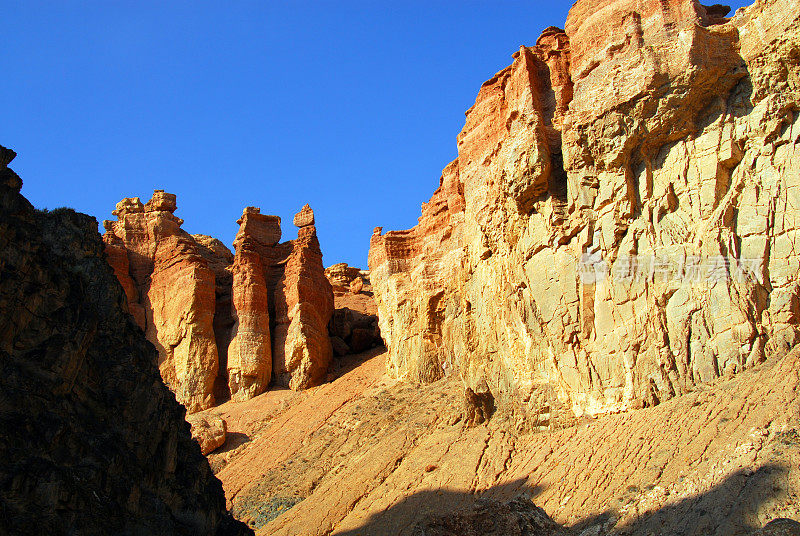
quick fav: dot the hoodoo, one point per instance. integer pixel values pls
(225, 325)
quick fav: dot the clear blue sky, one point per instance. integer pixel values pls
(351, 106)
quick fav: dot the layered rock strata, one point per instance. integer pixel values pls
(354, 325)
(289, 279)
(219, 319)
(618, 226)
(250, 349)
(93, 442)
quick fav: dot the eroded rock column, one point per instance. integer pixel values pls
(250, 352)
(303, 307)
(170, 291)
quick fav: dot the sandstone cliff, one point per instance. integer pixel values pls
(620, 224)
(223, 323)
(93, 442)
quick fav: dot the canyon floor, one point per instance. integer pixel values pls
(365, 454)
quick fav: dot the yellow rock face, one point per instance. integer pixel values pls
(620, 224)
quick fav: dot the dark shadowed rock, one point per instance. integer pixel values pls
(517, 517)
(93, 442)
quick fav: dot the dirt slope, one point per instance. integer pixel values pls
(365, 454)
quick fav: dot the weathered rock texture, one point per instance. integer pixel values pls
(282, 285)
(209, 431)
(354, 325)
(487, 517)
(93, 442)
(219, 319)
(250, 349)
(656, 131)
(367, 454)
(171, 293)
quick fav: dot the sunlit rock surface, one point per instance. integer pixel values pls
(225, 324)
(620, 224)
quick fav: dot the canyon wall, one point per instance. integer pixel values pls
(93, 442)
(619, 225)
(225, 325)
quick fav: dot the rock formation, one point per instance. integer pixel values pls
(250, 349)
(93, 442)
(282, 285)
(171, 293)
(487, 517)
(220, 260)
(354, 325)
(341, 276)
(209, 431)
(225, 325)
(303, 307)
(619, 224)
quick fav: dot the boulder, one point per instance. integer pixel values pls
(208, 430)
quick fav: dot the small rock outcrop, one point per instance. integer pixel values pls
(225, 324)
(208, 430)
(341, 276)
(618, 226)
(354, 325)
(93, 441)
(488, 517)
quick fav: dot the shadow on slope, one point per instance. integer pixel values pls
(740, 505)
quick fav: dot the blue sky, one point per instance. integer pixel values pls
(351, 106)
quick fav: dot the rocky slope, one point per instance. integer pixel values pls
(370, 455)
(225, 325)
(92, 442)
(619, 226)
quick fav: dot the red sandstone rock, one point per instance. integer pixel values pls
(341, 275)
(351, 288)
(354, 324)
(220, 260)
(264, 229)
(303, 306)
(205, 308)
(356, 285)
(304, 218)
(250, 352)
(170, 291)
